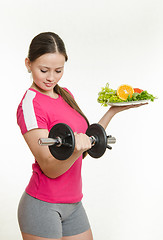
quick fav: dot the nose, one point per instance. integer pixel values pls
(50, 77)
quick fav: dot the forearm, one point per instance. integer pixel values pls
(49, 165)
(105, 120)
(54, 168)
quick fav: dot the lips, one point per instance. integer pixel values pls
(48, 84)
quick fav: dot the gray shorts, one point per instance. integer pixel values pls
(51, 220)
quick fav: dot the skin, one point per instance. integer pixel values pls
(47, 71)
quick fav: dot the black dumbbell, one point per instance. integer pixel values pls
(61, 141)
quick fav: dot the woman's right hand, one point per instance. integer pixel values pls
(49, 165)
(82, 142)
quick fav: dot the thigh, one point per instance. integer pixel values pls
(76, 223)
(82, 236)
(38, 218)
(32, 237)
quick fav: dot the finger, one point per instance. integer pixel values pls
(139, 105)
(87, 142)
(82, 142)
(77, 142)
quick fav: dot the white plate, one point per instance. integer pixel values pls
(128, 103)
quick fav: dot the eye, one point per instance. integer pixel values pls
(57, 71)
(43, 71)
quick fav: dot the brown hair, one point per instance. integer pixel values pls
(49, 42)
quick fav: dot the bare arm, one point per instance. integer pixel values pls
(104, 121)
(50, 166)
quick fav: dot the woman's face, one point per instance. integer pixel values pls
(47, 70)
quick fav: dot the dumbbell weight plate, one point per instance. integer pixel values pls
(63, 131)
(99, 133)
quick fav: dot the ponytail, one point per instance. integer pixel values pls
(71, 101)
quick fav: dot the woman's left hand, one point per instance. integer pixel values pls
(104, 121)
(117, 109)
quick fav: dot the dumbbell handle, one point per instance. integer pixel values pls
(58, 141)
(50, 141)
(111, 140)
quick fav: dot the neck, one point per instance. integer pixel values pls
(49, 93)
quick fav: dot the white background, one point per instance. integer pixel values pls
(111, 41)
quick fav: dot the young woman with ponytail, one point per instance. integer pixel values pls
(51, 207)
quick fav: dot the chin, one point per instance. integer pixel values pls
(46, 88)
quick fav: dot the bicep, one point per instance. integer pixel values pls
(41, 153)
(50, 166)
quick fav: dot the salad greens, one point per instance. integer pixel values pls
(107, 95)
(140, 96)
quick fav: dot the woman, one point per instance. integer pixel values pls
(51, 205)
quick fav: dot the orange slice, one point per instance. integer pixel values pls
(124, 90)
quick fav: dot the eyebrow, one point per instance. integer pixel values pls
(49, 68)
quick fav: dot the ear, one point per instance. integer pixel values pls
(28, 64)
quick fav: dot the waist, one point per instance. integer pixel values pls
(66, 188)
